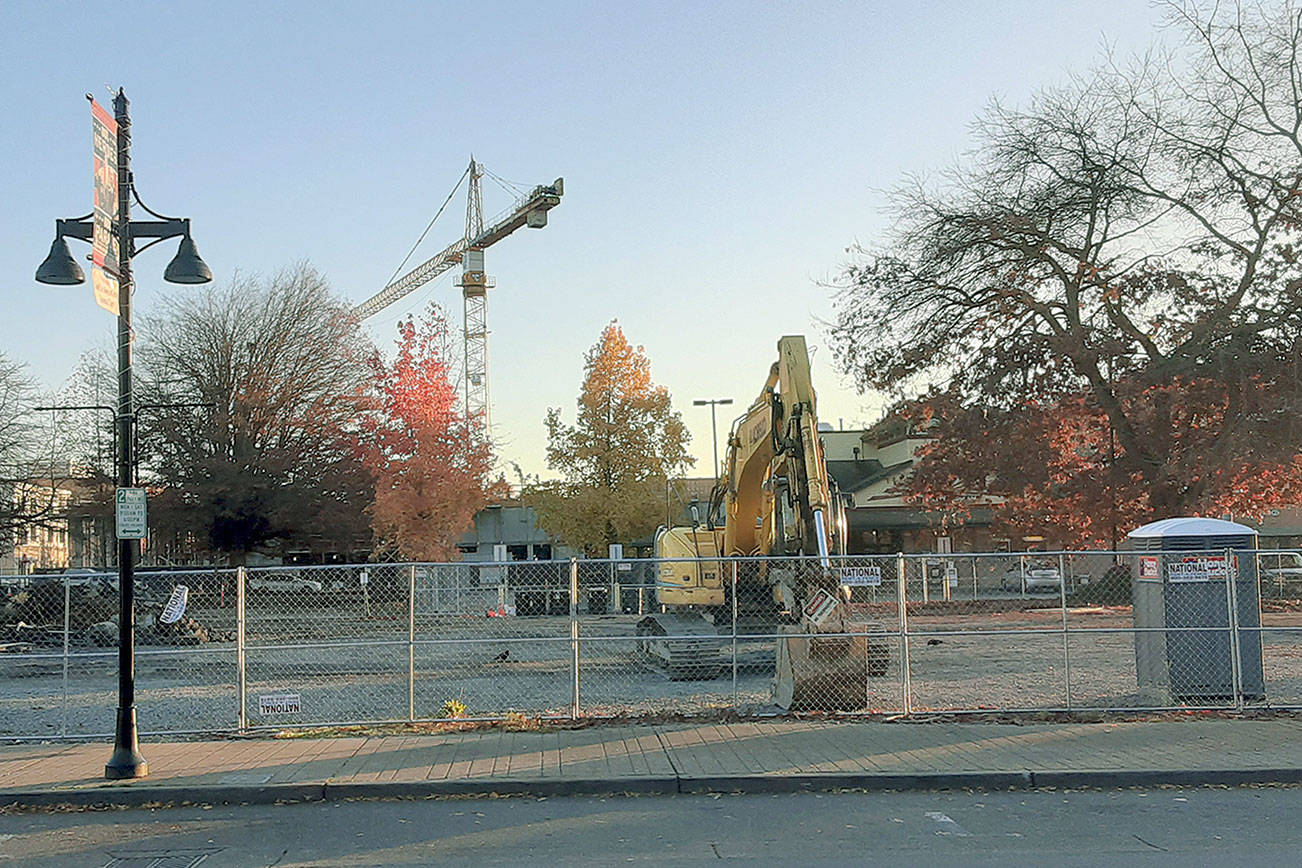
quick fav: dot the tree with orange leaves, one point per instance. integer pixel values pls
(614, 461)
(432, 465)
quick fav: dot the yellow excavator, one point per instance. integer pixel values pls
(782, 523)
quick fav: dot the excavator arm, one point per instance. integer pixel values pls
(775, 467)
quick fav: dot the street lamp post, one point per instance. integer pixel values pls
(714, 431)
(186, 267)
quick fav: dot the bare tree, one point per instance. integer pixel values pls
(1126, 238)
(276, 457)
(31, 490)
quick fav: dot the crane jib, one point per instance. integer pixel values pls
(532, 213)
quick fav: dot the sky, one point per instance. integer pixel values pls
(719, 159)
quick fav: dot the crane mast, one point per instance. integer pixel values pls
(475, 283)
(468, 252)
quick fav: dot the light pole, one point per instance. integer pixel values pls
(59, 268)
(714, 431)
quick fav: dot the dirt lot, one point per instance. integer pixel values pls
(351, 663)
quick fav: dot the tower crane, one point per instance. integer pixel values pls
(468, 252)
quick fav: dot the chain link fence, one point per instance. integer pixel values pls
(283, 647)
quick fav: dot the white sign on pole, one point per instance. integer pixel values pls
(132, 521)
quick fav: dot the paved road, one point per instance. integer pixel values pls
(1188, 827)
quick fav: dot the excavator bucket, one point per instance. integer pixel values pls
(828, 672)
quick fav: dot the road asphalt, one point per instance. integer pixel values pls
(774, 756)
(1190, 827)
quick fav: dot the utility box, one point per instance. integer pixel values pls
(1188, 576)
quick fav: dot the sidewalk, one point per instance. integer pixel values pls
(778, 756)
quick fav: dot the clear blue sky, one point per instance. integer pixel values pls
(718, 159)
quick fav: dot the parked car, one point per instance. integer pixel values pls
(1281, 571)
(1032, 577)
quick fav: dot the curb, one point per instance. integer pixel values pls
(139, 795)
(1102, 778)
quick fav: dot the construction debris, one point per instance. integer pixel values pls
(33, 617)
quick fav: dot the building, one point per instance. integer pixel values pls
(868, 467)
(509, 532)
(36, 514)
(1277, 529)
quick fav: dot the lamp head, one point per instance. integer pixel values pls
(59, 268)
(187, 266)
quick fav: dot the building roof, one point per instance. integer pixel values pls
(852, 476)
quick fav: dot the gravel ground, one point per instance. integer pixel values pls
(352, 666)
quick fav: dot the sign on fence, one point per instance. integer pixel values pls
(820, 607)
(869, 576)
(175, 607)
(1202, 568)
(280, 703)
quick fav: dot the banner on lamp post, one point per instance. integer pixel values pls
(104, 237)
(106, 289)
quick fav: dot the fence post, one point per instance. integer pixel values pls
(574, 636)
(734, 634)
(411, 642)
(242, 721)
(1232, 612)
(906, 699)
(974, 578)
(1066, 653)
(67, 626)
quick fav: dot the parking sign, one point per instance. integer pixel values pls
(131, 514)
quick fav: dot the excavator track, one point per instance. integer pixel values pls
(687, 647)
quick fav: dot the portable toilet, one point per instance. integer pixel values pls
(1183, 643)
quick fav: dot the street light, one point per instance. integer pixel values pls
(60, 269)
(714, 431)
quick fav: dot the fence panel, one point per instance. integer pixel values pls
(185, 669)
(1280, 634)
(60, 668)
(326, 644)
(493, 640)
(638, 661)
(1000, 648)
